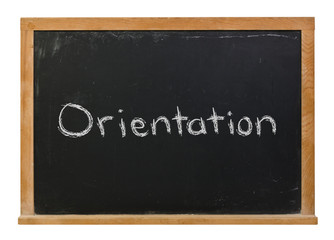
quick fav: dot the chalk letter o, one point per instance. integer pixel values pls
(68, 133)
(242, 132)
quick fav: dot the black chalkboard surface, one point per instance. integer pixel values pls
(136, 122)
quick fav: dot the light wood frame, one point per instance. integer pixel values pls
(29, 25)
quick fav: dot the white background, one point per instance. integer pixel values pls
(10, 13)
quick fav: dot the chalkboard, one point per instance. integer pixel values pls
(167, 122)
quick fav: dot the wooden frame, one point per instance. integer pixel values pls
(29, 25)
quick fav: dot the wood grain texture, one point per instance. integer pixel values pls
(28, 25)
(308, 122)
(167, 23)
(169, 219)
(27, 118)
